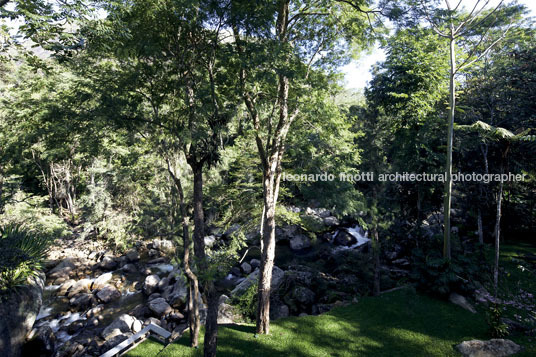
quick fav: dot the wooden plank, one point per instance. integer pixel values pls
(159, 331)
(151, 328)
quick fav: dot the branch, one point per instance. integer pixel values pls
(435, 27)
(467, 63)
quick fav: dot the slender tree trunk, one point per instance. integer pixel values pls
(211, 326)
(267, 255)
(480, 230)
(450, 135)
(194, 323)
(377, 251)
(497, 238)
(1, 189)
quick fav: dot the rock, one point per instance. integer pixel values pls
(490, 348)
(303, 295)
(165, 246)
(227, 314)
(114, 340)
(462, 302)
(108, 294)
(64, 268)
(75, 326)
(344, 238)
(120, 325)
(331, 221)
(80, 287)
(277, 278)
(94, 311)
(209, 240)
(178, 294)
(236, 271)
(41, 342)
(150, 285)
(246, 268)
(18, 311)
(101, 281)
(129, 268)
(136, 326)
(255, 263)
(159, 307)
(163, 284)
(299, 242)
(64, 288)
(279, 311)
(108, 263)
(175, 316)
(81, 302)
(132, 256)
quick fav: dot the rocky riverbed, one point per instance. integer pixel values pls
(94, 299)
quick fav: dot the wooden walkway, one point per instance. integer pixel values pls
(134, 340)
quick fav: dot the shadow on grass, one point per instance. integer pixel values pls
(398, 324)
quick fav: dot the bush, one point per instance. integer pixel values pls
(21, 255)
(246, 304)
(497, 328)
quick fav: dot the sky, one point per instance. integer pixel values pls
(358, 72)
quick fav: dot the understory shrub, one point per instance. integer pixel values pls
(497, 328)
(247, 303)
(21, 255)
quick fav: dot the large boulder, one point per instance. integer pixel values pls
(81, 302)
(164, 246)
(108, 263)
(277, 278)
(108, 294)
(18, 310)
(41, 342)
(150, 284)
(159, 307)
(101, 281)
(299, 242)
(80, 287)
(120, 325)
(490, 348)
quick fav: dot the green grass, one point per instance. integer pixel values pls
(401, 323)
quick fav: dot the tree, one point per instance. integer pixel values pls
(176, 85)
(504, 138)
(458, 26)
(300, 36)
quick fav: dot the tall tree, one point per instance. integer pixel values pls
(301, 38)
(474, 29)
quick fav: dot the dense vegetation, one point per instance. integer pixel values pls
(128, 121)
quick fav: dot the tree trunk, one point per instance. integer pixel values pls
(211, 326)
(480, 230)
(194, 323)
(267, 256)
(450, 135)
(377, 251)
(497, 238)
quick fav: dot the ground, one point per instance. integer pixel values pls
(401, 323)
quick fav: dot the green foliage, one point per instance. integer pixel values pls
(438, 276)
(497, 328)
(27, 210)
(247, 303)
(21, 255)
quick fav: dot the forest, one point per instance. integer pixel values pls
(197, 177)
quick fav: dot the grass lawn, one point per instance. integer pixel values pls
(401, 323)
